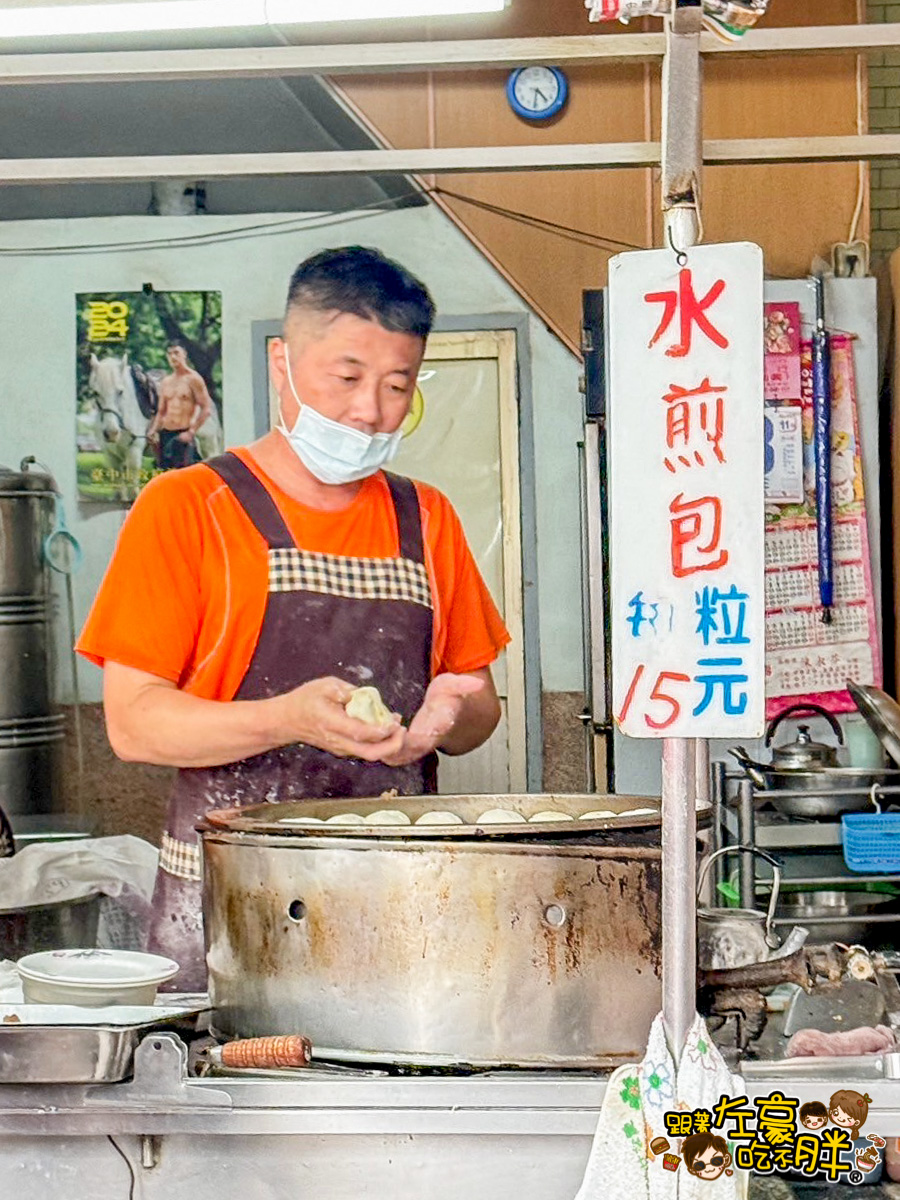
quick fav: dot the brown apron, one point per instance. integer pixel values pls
(366, 620)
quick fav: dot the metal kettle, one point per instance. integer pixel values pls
(736, 937)
(804, 754)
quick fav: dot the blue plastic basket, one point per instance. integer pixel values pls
(872, 842)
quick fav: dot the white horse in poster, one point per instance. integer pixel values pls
(126, 402)
(123, 423)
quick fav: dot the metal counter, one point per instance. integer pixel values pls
(341, 1136)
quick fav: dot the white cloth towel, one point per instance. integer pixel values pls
(121, 870)
(633, 1114)
(48, 871)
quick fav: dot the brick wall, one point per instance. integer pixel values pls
(884, 117)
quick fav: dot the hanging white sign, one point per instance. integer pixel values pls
(686, 492)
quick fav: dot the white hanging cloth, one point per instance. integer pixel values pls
(632, 1118)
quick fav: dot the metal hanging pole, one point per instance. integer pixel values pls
(681, 167)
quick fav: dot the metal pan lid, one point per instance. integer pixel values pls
(881, 712)
(316, 817)
(14, 482)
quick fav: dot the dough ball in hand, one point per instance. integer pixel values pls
(366, 704)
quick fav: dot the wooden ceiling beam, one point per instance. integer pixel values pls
(147, 66)
(440, 161)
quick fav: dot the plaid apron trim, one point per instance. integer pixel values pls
(293, 570)
(181, 859)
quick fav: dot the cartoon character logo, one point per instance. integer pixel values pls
(867, 1160)
(814, 1115)
(705, 1155)
(849, 1110)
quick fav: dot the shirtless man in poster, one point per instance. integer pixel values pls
(184, 404)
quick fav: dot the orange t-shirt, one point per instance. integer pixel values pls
(185, 592)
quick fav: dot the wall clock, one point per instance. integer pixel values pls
(536, 93)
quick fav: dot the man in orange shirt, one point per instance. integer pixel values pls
(249, 595)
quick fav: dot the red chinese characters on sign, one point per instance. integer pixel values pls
(695, 426)
(691, 311)
(696, 531)
(695, 423)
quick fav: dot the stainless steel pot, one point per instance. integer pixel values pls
(835, 912)
(59, 925)
(809, 772)
(495, 945)
(824, 793)
(29, 731)
(30, 765)
(26, 507)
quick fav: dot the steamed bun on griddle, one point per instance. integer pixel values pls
(438, 817)
(500, 816)
(388, 816)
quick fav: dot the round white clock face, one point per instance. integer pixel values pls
(536, 89)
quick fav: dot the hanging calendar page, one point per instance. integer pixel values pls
(805, 658)
(148, 387)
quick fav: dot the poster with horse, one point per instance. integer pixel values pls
(149, 387)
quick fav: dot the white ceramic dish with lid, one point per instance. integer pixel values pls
(93, 978)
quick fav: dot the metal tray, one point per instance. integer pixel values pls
(48, 1046)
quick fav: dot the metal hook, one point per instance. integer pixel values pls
(680, 255)
(873, 796)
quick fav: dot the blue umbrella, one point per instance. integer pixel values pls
(821, 365)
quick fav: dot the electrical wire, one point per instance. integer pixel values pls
(861, 65)
(323, 221)
(357, 212)
(582, 236)
(127, 1161)
(240, 233)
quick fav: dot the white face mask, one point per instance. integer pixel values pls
(333, 452)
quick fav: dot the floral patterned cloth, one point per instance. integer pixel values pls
(633, 1114)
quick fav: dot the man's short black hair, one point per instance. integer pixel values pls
(363, 282)
(813, 1108)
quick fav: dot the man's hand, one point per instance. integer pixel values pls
(314, 713)
(186, 435)
(441, 709)
(149, 719)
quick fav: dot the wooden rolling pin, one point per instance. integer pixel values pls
(263, 1053)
